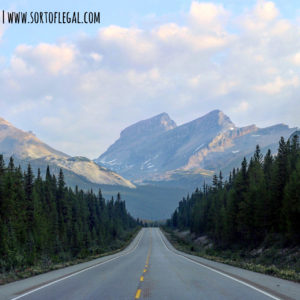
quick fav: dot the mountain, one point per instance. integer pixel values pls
(131, 153)
(297, 132)
(156, 150)
(157, 145)
(26, 148)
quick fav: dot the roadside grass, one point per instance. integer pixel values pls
(45, 265)
(281, 263)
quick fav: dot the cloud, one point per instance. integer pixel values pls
(241, 107)
(281, 27)
(261, 16)
(80, 93)
(296, 59)
(208, 16)
(135, 45)
(266, 10)
(96, 57)
(278, 84)
(54, 59)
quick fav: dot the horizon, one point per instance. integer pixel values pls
(78, 86)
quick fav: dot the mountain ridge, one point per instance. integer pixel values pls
(161, 121)
(209, 143)
(27, 148)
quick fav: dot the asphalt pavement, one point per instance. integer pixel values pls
(150, 268)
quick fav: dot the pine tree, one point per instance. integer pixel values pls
(29, 198)
(291, 206)
(44, 221)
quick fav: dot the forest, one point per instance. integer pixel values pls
(257, 202)
(43, 221)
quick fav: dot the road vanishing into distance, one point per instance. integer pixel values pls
(150, 268)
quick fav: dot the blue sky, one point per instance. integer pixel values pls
(117, 12)
(182, 57)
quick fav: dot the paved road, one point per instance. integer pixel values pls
(150, 268)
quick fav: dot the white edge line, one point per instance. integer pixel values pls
(74, 274)
(219, 272)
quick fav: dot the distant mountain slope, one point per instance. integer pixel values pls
(26, 148)
(14, 141)
(157, 150)
(131, 154)
(243, 145)
(157, 145)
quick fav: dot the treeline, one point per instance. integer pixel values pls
(43, 221)
(258, 202)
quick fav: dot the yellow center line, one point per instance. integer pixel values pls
(138, 294)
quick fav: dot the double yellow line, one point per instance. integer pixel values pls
(139, 290)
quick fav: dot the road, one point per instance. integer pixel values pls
(150, 268)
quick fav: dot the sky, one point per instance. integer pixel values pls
(77, 86)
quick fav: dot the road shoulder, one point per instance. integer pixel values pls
(13, 290)
(283, 289)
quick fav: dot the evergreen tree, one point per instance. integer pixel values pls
(259, 200)
(43, 220)
(291, 206)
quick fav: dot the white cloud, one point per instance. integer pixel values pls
(171, 33)
(296, 59)
(266, 10)
(208, 16)
(20, 67)
(241, 107)
(96, 57)
(261, 16)
(134, 43)
(52, 58)
(278, 84)
(281, 27)
(81, 93)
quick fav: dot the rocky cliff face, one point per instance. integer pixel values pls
(157, 149)
(26, 148)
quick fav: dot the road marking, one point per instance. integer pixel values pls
(138, 294)
(219, 272)
(81, 271)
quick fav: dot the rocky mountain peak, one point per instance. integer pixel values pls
(217, 117)
(4, 123)
(209, 125)
(154, 125)
(27, 148)
(212, 142)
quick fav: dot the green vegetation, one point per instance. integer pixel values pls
(43, 223)
(257, 207)
(41, 267)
